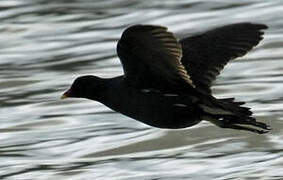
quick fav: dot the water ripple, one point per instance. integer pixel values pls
(47, 44)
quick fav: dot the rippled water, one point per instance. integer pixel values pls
(46, 44)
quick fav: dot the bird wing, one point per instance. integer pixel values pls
(206, 54)
(151, 58)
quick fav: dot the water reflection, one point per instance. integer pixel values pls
(47, 44)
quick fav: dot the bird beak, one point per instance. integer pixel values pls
(66, 94)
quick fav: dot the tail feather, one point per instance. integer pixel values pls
(232, 100)
(230, 105)
(235, 117)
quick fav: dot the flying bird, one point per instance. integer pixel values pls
(167, 83)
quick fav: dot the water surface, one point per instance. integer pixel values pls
(45, 45)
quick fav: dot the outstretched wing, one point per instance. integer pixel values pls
(205, 55)
(151, 58)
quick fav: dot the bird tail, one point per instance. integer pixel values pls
(230, 114)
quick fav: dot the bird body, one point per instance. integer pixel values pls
(151, 106)
(166, 82)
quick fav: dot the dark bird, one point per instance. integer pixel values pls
(166, 82)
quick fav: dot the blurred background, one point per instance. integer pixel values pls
(46, 44)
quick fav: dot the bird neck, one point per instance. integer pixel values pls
(99, 90)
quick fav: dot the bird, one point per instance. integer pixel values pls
(167, 82)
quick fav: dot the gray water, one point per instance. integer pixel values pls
(45, 45)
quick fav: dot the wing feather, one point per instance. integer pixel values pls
(206, 54)
(151, 57)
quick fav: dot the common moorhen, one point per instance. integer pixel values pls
(166, 82)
